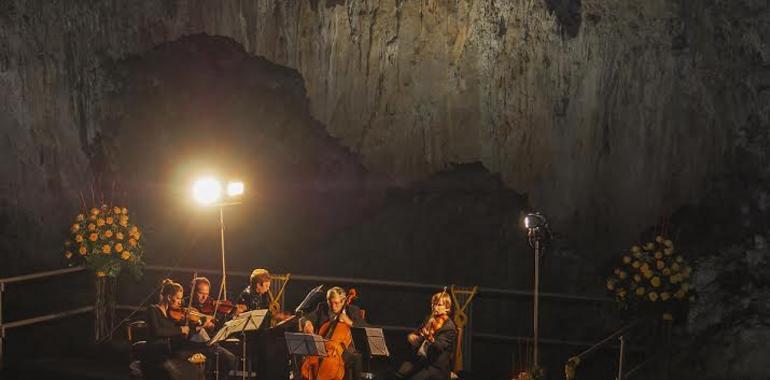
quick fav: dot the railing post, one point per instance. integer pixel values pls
(620, 359)
(2, 328)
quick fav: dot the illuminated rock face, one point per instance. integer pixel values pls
(608, 114)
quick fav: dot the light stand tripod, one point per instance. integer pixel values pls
(538, 234)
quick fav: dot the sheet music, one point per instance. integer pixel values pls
(246, 321)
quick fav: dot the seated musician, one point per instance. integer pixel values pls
(433, 344)
(336, 308)
(201, 301)
(255, 296)
(166, 337)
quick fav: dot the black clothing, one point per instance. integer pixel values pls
(166, 354)
(437, 364)
(352, 358)
(256, 301)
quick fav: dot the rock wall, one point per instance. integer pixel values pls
(609, 114)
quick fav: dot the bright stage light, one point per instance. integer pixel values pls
(234, 188)
(207, 190)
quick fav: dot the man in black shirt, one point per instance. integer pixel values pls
(336, 310)
(256, 296)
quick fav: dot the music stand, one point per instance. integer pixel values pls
(311, 300)
(370, 342)
(305, 344)
(246, 321)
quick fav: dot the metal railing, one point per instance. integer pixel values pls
(38, 319)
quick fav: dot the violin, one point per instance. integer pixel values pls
(182, 315)
(337, 337)
(224, 307)
(432, 325)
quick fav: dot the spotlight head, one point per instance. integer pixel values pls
(234, 188)
(207, 190)
(534, 221)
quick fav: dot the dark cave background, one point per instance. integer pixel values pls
(317, 204)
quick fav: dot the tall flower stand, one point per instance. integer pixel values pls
(104, 309)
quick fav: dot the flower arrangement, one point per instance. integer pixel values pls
(105, 241)
(651, 277)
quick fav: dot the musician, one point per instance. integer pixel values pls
(166, 337)
(336, 308)
(199, 300)
(255, 296)
(433, 344)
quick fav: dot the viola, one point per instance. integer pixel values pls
(182, 315)
(337, 337)
(225, 307)
(432, 325)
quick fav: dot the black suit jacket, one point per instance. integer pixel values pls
(440, 353)
(321, 314)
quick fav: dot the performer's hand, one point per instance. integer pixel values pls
(240, 308)
(308, 328)
(345, 319)
(185, 329)
(413, 339)
(209, 324)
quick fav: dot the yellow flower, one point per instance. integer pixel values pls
(118, 247)
(119, 236)
(647, 274)
(116, 210)
(649, 246)
(675, 279)
(659, 239)
(100, 274)
(75, 228)
(653, 296)
(636, 264)
(655, 281)
(132, 242)
(668, 251)
(133, 230)
(123, 221)
(626, 259)
(610, 284)
(106, 248)
(668, 243)
(674, 267)
(621, 293)
(679, 294)
(658, 255)
(125, 255)
(94, 211)
(636, 249)
(645, 268)
(124, 210)
(637, 278)
(108, 234)
(79, 238)
(100, 222)
(666, 272)
(80, 217)
(93, 237)
(83, 250)
(91, 226)
(639, 291)
(108, 220)
(68, 254)
(92, 217)
(664, 296)
(660, 264)
(622, 275)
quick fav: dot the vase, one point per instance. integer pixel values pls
(104, 308)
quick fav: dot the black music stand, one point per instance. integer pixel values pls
(305, 345)
(246, 321)
(370, 342)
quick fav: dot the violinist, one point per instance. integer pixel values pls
(432, 343)
(166, 337)
(201, 301)
(336, 309)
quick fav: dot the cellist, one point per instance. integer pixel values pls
(338, 309)
(433, 344)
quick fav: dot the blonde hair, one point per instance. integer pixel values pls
(441, 297)
(258, 275)
(168, 288)
(335, 292)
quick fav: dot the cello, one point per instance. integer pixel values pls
(337, 337)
